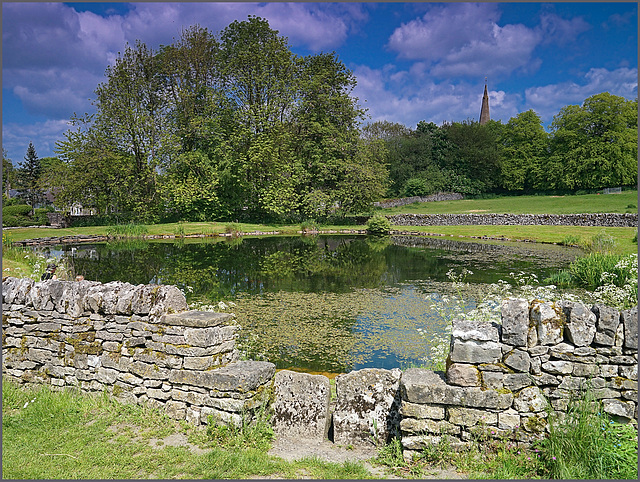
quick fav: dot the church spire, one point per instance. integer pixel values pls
(484, 111)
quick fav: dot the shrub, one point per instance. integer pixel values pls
(16, 210)
(586, 272)
(234, 229)
(378, 225)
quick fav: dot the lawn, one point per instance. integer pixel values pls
(624, 202)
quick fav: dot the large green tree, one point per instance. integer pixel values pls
(594, 145)
(525, 152)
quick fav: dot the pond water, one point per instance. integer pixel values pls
(322, 303)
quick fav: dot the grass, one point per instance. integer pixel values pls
(49, 435)
(623, 238)
(582, 443)
(587, 203)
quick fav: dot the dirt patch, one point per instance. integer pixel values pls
(176, 440)
(296, 449)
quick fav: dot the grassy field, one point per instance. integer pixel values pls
(50, 435)
(625, 202)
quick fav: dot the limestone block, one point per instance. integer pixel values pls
(39, 355)
(107, 375)
(493, 380)
(558, 367)
(585, 370)
(131, 379)
(530, 399)
(539, 350)
(473, 351)
(168, 299)
(158, 358)
(301, 405)
(197, 319)
(517, 381)
(158, 394)
(205, 337)
(241, 377)
(475, 330)
(518, 360)
(192, 398)
(426, 426)
(418, 442)
(470, 416)
(147, 370)
(212, 415)
(630, 322)
(508, 420)
(607, 324)
(192, 416)
(367, 406)
(623, 383)
(420, 411)
(16, 290)
(549, 323)
(515, 321)
(176, 410)
(619, 408)
(536, 366)
(424, 386)
(573, 383)
(581, 323)
(630, 372)
(463, 375)
(608, 371)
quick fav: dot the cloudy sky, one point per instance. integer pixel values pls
(413, 61)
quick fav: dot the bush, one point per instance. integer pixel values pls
(40, 217)
(16, 210)
(16, 221)
(586, 272)
(378, 225)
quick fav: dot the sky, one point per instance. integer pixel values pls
(412, 61)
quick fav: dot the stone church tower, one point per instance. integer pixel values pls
(484, 111)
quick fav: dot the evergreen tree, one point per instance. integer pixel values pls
(29, 178)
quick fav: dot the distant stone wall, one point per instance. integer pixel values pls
(627, 220)
(440, 196)
(143, 345)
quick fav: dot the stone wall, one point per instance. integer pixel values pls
(143, 345)
(440, 196)
(139, 343)
(628, 220)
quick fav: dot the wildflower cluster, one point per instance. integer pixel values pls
(619, 288)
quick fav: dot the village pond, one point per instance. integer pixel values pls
(326, 304)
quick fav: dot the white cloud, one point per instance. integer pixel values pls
(399, 97)
(465, 39)
(44, 135)
(549, 99)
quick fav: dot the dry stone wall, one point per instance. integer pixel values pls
(591, 219)
(139, 343)
(143, 345)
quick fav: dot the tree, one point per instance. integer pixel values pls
(8, 173)
(476, 154)
(594, 145)
(28, 177)
(525, 152)
(131, 115)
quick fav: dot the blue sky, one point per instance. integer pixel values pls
(413, 61)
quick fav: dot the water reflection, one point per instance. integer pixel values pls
(323, 303)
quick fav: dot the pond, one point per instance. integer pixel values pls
(322, 303)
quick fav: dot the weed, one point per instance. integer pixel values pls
(234, 229)
(130, 230)
(571, 240)
(584, 443)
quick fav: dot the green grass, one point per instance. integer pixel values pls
(587, 203)
(623, 237)
(51, 435)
